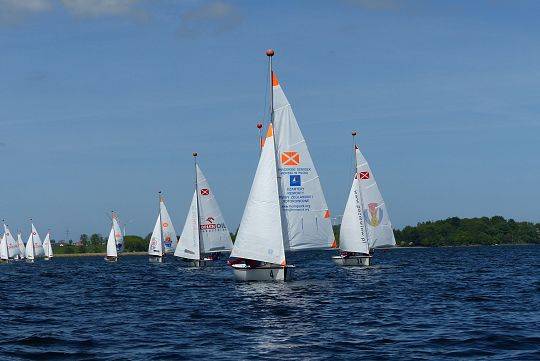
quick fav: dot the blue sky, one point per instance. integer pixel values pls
(103, 102)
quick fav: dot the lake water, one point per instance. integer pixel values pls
(436, 304)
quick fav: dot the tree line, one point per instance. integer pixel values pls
(452, 231)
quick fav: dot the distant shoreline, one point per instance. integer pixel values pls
(98, 254)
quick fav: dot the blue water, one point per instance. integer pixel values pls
(433, 304)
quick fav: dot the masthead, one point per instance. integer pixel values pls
(270, 52)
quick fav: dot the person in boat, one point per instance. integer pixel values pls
(251, 263)
(354, 254)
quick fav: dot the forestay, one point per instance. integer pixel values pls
(214, 234)
(352, 233)
(305, 212)
(376, 215)
(260, 235)
(188, 246)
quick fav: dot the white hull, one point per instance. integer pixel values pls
(263, 273)
(352, 260)
(47, 258)
(111, 259)
(29, 260)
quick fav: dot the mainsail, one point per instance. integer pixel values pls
(353, 232)
(47, 247)
(111, 244)
(169, 234)
(4, 254)
(379, 227)
(189, 243)
(118, 235)
(38, 246)
(214, 234)
(304, 209)
(260, 235)
(9, 245)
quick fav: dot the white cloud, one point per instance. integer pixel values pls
(100, 8)
(213, 17)
(13, 11)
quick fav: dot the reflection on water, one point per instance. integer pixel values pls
(412, 303)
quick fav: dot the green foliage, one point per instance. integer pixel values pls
(135, 244)
(467, 231)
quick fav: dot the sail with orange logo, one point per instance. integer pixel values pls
(304, 210)
(377, 219)
(167, 229)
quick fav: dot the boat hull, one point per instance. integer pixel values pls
(198, 263)
(111, 259)
(156, 259)
(29, 260)
(266, 273)
(47, 258)
(352, 260)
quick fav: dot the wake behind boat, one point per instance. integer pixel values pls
(286, 209)
(366, 223)
(205, 234)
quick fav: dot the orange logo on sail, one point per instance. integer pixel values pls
(290, 158)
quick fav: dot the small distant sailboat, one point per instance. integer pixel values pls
(22, 248)
(205, 234)
(286, 209)
(47, 247)
(9, 248)
(366, 223)
(34, 247)
(115, 242)
(163, 239)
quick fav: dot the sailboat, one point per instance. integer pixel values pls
(8, 246)
(366, 223)
(22, 248)
(205, 233)
(286, 209)
(163, 239)
(115, 242)
(34, 247)
(47, 247)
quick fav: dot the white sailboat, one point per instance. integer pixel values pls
(163, 239)
(366, 223)
(9, 248)
(22, 248)
(38, 250)
(286, 209)
(205, 233)
(47, 247)
(112, 245)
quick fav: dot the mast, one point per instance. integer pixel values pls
(33, 243)
(355, 147)
(197, 200)
(261, 142)
(270, 53)
(161, 227)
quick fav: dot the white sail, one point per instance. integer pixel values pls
(38, 246)
(214, 234)
(20, 244)
(111, 244)
(155, 246)
(380, 231)
(305, 212)
(11, 243)
(4, 254)
(47, 247)
(30, 248)
(118, 235)
(188, 246)
(353, 232)
(169, 234)
(260, 235)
